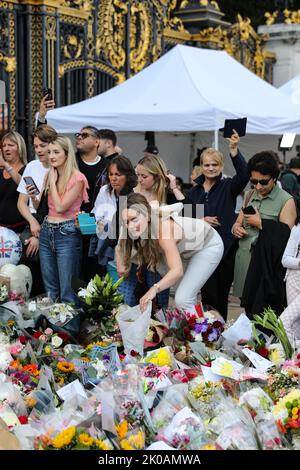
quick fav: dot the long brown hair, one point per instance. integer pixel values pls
(147, 248)
(157, 168)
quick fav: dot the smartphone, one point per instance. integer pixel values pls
(30, 182)
(249, 210)
(48, 92)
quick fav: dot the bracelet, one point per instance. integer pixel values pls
(173, 188)
(157, 287)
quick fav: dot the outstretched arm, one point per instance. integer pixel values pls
(169, 247)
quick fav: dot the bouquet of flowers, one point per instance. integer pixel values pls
(186, 431)
(204, 397)
(72, 438)
(270, 321)
(207, 329)
(287, 412)
(101, 295)
(130, 438)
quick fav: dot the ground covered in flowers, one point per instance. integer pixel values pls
(106, 377)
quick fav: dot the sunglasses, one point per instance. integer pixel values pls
(83, 135)
(255, 182)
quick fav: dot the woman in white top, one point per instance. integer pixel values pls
(121, 181)
(179, 248)
(291, 260)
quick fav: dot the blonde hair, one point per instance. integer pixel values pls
(210, 152)
(20, 142)
(70, 163)
(147, 249)
(157, 168)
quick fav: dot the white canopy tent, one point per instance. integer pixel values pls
(187, 90)
(292, 90)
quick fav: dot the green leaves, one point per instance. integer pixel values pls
(103, 296)
(270, 321)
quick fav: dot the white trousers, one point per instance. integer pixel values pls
(200, 268)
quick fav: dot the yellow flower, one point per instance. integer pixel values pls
(66, 367)
(103, 445)
(125, 445)
(209, 447)
(295, 411)
(47, 349)
(11, 322)
(103, 344)
(59, 380)
(137, 441)
(122, 429)
(275, 356)
(30, 402)
(58, 442)
(68, 434)
(85, 439)
(160, 358)
(290, 397)
(85, 359)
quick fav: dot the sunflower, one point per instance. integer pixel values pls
(66, 367)
(85, 359)
(125, 445)
(59, 380)
(102, 445)
(58, 442)
(103, 344)
(85, 439)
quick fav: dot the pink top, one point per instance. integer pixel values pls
(83, 196)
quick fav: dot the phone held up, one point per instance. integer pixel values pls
(48, 92)
(249, 210)
(30, 182)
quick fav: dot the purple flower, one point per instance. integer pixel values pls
(213, 336)
(201, 327)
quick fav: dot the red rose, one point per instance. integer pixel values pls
(37, 334)
(133, 353)
(22, 339)
(23, 419)
(262, 351)
(64, 336)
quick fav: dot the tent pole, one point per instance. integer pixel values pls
(216, 139)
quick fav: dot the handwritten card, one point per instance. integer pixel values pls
(71, 390)
(258, 361)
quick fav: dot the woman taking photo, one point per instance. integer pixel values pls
(60, 240)
(179, 248)
(121, 181)
(12, 163)
(269, 202)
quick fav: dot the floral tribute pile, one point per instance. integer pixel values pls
(70, 381)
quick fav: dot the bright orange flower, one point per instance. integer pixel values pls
(14, 364)
(31, 369)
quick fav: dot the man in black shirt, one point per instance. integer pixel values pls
(107, 149)
(88, 160)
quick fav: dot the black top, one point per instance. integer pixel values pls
(221, 199)
(91, 173)
(9, 214)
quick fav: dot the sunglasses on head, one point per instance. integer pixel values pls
(263, 182)
(83, 135)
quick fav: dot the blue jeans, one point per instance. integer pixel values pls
(60, 257)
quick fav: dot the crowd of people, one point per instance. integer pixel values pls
(149, 229)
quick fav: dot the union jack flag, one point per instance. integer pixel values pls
(7, 247)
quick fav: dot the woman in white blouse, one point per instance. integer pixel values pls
(291, 260)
